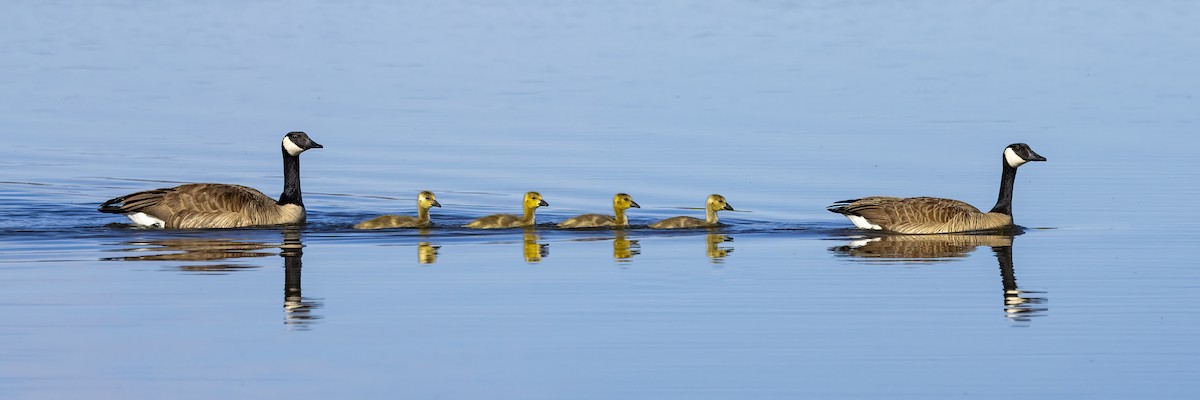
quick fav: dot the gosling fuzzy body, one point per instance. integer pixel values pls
(425, 200)
(621, 202)
(531, 202)
(714, 203)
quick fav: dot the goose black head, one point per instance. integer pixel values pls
(1017, 154)
(297, 142)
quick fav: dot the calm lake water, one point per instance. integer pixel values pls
(783, 107)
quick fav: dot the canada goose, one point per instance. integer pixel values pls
(215, 205)
(425, 200)
(532, 201)
(621, 202)
(927, 215)
(715, 203)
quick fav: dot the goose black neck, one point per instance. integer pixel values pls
(1004, 202)
(291, 181)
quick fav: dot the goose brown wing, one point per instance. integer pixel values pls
(134, 202)
(890, 211)
(214, 198)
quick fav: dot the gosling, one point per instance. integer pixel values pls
(621, 202)
(425, 200)
(715, 203)
(532, 201)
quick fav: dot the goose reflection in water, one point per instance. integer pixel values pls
(195, 249)
(716, 252)
(532, 249)
(1019, 305)
(298, 310)
(623, 248)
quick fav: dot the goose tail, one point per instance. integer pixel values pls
(113, 206)
(840, 207)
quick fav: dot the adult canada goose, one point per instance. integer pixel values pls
(715, 203)
(425, 200)
(215, 205)
(621, 202)
(532, 201)
(927, 215)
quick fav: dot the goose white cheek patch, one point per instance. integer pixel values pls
(1013, 159)
(291, 148)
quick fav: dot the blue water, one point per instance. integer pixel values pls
(782, 107)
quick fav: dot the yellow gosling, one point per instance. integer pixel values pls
(621, 202)
(425, 200)
(715, 203)
(532, 201)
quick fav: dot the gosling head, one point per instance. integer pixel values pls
(426, 199)
(623, 201)
(717, 202)
(1017, 154)
(297, 142)
(534, 200)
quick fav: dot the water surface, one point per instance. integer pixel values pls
(783, 107)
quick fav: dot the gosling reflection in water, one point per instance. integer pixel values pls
(1019, 305)
(717, 253)
(534, 251)
(297, 309)
(623, 248)
(427, 253)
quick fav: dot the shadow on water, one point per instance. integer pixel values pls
(298, 310)
(1019, 305)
